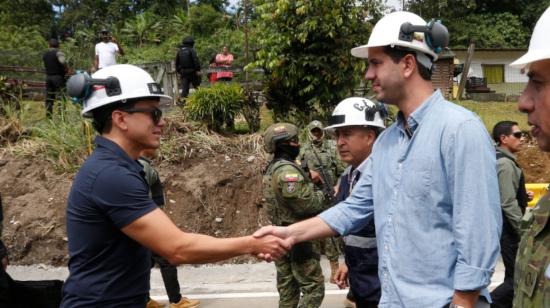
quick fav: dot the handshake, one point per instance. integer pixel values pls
(270, 243)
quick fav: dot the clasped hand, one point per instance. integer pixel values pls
(276, 236)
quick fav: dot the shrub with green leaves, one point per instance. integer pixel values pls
(215, 105)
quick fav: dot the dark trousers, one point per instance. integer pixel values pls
(362, 302)
(170, 277)
(54, 85)
(503, 295)
(187, 80)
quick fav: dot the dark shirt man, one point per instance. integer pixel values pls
(112, 223)
(513, 200)
(56, 69)
(93, 195)
(188, 65)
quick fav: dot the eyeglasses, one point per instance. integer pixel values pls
(155, 112)
(517, 135)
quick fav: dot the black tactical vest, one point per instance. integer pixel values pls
(53, 67)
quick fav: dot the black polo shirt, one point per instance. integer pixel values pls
(107, 268)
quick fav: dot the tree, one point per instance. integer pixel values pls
(304, 48)
(491, 23)
(29, 13)
(204, 20)
(144, 27)
(492, 30)
(218, 5)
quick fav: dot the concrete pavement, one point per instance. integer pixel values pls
(228, 286)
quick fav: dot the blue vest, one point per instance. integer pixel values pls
(361, 253)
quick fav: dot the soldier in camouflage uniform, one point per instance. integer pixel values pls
(532, 287)
(320, 153)
(290, 197)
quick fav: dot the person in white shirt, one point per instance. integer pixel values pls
(106, 50)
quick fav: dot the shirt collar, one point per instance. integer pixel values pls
(416, 118)
(109, 145)
(506, 152)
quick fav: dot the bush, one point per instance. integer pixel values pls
(216, 105)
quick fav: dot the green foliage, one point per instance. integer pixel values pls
(490, 23)
(27, 13)
(63, 140)
(21, 46)
(218, 5)
(215, 105)
(491, 30)
(304, 49)
(204, 20)
(142, 28)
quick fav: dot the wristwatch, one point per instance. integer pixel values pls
(451, 305)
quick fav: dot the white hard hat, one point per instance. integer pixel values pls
(116, 83)
(539, 47)
(389, 31)
(358, 111)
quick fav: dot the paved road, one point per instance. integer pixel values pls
(227, 286)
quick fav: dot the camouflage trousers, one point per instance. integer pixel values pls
(332, 248)
(298, 272)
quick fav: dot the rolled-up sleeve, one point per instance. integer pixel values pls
(477, 218)
(352, 214)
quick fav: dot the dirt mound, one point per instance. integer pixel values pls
(213, 186)
(535, 163)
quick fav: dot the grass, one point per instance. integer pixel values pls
(508, 88)
(64, 140)
(493, 112)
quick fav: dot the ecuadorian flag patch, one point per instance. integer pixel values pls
(291, 177)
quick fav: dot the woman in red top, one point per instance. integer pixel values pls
(223, 63)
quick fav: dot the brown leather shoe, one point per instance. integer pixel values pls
(186, 303)
(154, 304)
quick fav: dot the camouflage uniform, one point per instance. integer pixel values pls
(532, 288)
(290, 197)
(324, 155)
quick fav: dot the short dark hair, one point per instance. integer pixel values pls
(103, 117)
(53, 43)
(377, 130)
(503, 128)
(397, 54)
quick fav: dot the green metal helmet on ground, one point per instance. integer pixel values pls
(279, 132)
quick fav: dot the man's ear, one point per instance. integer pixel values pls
(409, 65)
(501, 138)
(118, 118)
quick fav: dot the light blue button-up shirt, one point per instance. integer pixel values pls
(436, 206)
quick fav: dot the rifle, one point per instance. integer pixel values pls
(328, 186)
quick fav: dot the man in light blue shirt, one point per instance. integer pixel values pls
(430, 182)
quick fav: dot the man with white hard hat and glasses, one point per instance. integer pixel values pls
(532, 270)
(430, 182)
(112, 223)
(355, 135)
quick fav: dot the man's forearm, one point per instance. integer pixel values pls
(466, 299)
(310, 229)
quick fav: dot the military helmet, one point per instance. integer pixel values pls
(313, 125)
(279, 132)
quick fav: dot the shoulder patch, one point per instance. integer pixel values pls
(291, 177)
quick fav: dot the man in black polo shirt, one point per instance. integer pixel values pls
(112, 223)
(56, 69)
